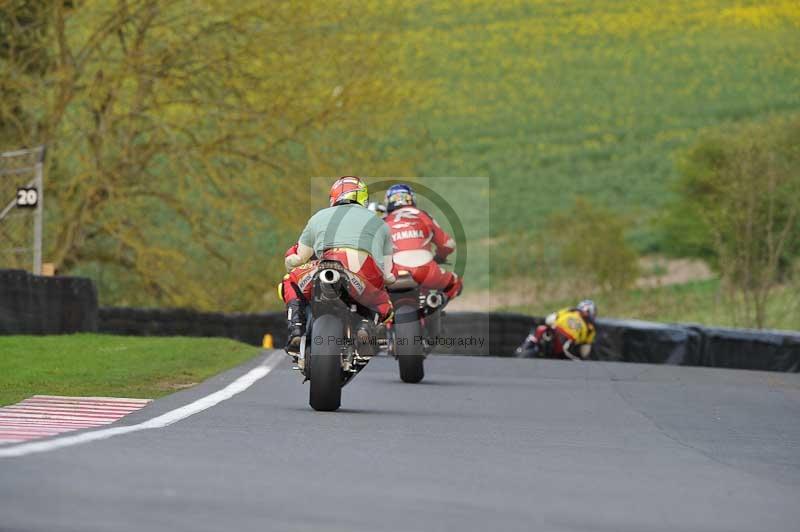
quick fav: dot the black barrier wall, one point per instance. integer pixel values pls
(748, 349)
(642, 341)
(248, 328)
(53, 305)
(498, 334)
(483, 333)
(637, 341)
(31, 304)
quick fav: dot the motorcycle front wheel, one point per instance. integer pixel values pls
(325, 393)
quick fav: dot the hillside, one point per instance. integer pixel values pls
(157, 197)
(553, 99)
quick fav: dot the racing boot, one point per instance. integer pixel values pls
(296, 322)
(528, 349)
(367, 341)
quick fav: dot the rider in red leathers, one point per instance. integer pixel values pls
(414, 232)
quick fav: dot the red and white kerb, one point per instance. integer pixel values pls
(41, 416)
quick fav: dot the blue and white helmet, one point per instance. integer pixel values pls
(588, 309)
(400, 196)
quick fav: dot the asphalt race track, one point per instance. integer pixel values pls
(482, 444)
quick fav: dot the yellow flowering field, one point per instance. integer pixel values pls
(555, 98)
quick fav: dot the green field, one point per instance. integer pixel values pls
(556, 99)
(599, 98)
(699, 302)
(544, 100)
(116, 366)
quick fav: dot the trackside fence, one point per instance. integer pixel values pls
(636, 341)
(248, 328)
(31, 304)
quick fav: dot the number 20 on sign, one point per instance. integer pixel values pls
(27, 198)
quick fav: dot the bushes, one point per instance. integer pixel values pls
(591, 245)
(580, 251)
(739, 206)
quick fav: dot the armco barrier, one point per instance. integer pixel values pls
(248, 328)
(30, 304)
(49, 305)
(636, 341)
(641, 341)
(498, 334)
(471, 333)
(483, 333)
(750, 349)
(617, 340)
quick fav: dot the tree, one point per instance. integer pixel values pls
(592, 248)
(23, 34)
(181, 134)
(740, 195)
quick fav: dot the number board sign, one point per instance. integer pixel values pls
(27, 198)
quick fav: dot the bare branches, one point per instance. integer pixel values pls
(745, 185)
(182, 132)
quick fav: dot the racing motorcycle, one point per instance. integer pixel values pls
(539, 343)
(544, 342)
(417, 321)
(338, 343)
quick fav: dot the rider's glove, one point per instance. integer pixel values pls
(585, 350)
(292, 261)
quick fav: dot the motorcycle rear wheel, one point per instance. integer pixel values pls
(409, 349)
(325, 393)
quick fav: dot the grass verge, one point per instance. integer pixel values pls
(105, 365)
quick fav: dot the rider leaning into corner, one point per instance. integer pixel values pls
(414, 232)
(568, 333)
(348, 233)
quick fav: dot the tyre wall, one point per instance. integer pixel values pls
(54, 305)
(498, 334)
(635, 341)
(31, 304)
(248, 328)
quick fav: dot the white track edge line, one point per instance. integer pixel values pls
(164, 420)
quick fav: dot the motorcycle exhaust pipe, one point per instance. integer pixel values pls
(329, 280)
(434, 300)
(329, 276)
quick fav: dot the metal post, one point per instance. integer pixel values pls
(38, 215)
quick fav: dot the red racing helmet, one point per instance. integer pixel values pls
(349, 189)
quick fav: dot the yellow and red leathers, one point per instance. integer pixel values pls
(572, 334)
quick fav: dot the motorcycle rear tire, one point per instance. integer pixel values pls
(409, 349)
(325, 392)
(433, 323)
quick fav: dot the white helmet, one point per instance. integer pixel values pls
(588, 309)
